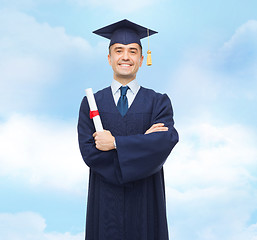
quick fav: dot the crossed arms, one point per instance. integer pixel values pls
(104, 141)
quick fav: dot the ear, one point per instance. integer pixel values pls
(141, 61)
(109, 59)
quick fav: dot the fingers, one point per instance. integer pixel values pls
(104, 140)
(157, 125)
(97, 146)
(99, 134)
(158, 129)
(154, 126)
(97, 138)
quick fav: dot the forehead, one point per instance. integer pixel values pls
(127, 46)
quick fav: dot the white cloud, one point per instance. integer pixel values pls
(250, 233)
(42, 153)
(33, 55)
(30, 226)
(225, 150)
(211, 183)
(246, 34)
(22, 35)
(239, 54)
(117, 5)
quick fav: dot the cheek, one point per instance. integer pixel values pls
(114, 59)
(139, 62)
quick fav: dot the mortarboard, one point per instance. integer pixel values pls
(126, 32)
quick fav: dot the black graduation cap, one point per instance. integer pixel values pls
(125, 32)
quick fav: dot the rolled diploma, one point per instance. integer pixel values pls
(93, 107)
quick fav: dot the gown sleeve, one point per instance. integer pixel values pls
(143, 155)
(104, 163)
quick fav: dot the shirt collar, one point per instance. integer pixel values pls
(133, 86)
(115, 86)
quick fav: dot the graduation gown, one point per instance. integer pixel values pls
(126, 195)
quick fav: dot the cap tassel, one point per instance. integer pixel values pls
(149, 58)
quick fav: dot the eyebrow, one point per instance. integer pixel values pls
(131, 48)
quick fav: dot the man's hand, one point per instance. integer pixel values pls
(104, 141)
(158, 127)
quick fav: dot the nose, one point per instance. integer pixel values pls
(125, 55)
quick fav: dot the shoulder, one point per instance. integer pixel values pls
(155, 96)
(102, 91)
(98, 96)
(161, 105)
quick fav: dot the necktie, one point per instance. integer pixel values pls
(123, 101)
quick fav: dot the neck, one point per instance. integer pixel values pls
(124, 81)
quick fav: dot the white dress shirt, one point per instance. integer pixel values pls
(131, 93)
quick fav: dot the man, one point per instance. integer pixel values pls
(126, 196)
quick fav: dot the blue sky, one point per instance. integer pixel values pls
(204, 58)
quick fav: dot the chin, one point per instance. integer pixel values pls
(126, 76)
(125, 73)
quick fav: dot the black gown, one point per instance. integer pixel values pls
(126, 194)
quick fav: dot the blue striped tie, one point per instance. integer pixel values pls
(123, 101)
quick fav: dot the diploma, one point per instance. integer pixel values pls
(94, 114)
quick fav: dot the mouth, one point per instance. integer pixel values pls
(125, 64)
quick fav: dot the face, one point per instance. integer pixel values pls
(125, 61)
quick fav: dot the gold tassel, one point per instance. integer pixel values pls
(149, 58)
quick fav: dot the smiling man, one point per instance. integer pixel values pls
(126, 193)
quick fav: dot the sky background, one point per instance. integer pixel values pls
(204, 57)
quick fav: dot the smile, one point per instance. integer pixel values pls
(124, 65)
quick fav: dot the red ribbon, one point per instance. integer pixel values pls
(93, 114)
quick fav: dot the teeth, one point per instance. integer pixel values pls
(125, 65)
